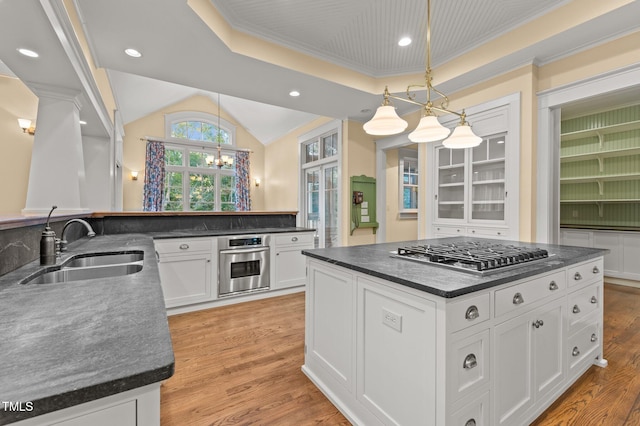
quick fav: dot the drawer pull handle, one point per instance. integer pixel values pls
(184, 246)
(518, 299)
(472, 313)
(473, 231)
(576, 309)
(553, 286)
(470, 422)
(577, 276)
(594, 300)
(294, 239)
(538, 324)
(575, 351)
(470, 362)
(594, 338)
(596, 270)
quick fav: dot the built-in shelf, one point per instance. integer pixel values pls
(490, 161)
(487, 182)
(451, 202)
(453, 166)
(489, 202)
(601, 203)
(601, 131)
(602, 178)
(443, 185)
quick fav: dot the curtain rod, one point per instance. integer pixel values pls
(195, 143)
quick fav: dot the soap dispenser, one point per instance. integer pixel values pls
(48, 243)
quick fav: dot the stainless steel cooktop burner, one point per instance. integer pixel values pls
(472, 256)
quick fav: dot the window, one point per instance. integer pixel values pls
(320, 183)
(408, 183)
(192, 181)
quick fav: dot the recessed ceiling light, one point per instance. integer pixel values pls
(294, 93)
(133, 53)
(404, 41)
(29, 53)
(83, 122)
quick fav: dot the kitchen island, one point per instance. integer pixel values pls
(88, 350)
(395, 341)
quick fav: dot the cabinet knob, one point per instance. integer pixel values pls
(470, 362)
(472, 313)
(594, 338)
(470, 422)
(518, 299)
(294, 239)
(473, 231)
(594, 300)
(575, 351)
(553, 286)
(577, 276)
(596, 270)
(576, 309)
(457, 230)
(538, 324)
(184, 246)
(499, 233)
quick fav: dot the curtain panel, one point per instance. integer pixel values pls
(154, 172)
(243, 181)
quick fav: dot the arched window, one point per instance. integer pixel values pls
(193, 181)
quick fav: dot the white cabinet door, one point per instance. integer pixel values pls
(613, 259)
(528, 359)
(290, 268)
(631, 244)
(547, 347)
(512, 367)
(185, 279)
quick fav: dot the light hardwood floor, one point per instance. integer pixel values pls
(240, 365)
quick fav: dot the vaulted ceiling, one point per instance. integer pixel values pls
(338, 54)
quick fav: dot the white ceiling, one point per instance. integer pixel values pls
(182, 56)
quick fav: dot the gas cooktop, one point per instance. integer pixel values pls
(472, 256)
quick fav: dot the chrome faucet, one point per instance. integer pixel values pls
(63, 240)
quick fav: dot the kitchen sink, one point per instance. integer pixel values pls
(91, 266)
(101, 259)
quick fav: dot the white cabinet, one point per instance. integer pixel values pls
(185, 270)
(140, 406)
(389, 354)
(474, 191)
(621, 261)
(289, 262)
(395, 361)
(528, 358)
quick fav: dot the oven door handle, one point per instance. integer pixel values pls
(244, 251)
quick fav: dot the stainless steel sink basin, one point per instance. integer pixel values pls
(100, 259)
(90, 266)
(76, 274)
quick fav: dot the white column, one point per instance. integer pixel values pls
(57, 172)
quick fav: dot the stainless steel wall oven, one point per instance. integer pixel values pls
(243, 264)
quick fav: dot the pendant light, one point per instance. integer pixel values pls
(222, 160)
(386, 121)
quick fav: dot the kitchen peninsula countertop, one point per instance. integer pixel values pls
(376, 260)
(68, 343)
(223, 232)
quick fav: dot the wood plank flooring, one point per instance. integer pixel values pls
(240, 365)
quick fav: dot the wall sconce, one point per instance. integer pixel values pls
(134, 175)
(257, 180)
(26, 126)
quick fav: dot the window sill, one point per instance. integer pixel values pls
(408, 215)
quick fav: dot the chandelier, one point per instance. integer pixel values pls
(387, 122)
(221, 160)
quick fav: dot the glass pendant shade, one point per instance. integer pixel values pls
(385, 122)
(429, 130)
(462, 137)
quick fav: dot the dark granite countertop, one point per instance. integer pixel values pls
(376, 260)
(68, 343)
(223, 232)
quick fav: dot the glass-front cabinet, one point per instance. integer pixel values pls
(474, 191)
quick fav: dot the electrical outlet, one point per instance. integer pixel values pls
(392, 319)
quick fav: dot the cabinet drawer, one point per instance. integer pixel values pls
(294, 239)
(468, 312)
(449, 230)
(585, 273)
(474, 413)
(181, 245)
(583, 345)
(488, 232)
(524, 294)
(581, 304)
(469, 364)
